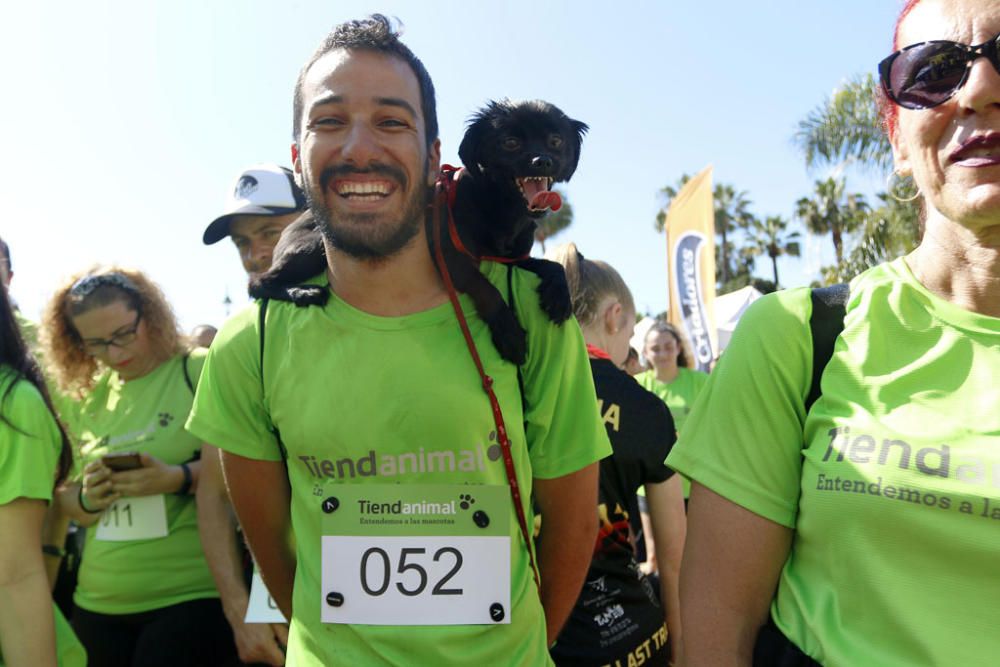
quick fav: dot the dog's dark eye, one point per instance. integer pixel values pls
(511, 144)
(555, 141)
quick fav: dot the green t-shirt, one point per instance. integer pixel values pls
(679, 396)
(29, 456)
(360, 399)
(144, 415)
(895, 495)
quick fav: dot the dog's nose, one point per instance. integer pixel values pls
(541, 163)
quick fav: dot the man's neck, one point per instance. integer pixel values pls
(404, 284)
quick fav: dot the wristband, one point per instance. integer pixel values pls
(53, 550)
(79, 498)
(186, 485)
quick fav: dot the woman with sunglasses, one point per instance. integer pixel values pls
(145, 595)
(619, 618)
(866, 529)
(35, 455)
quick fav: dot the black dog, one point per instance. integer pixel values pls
(513, 153)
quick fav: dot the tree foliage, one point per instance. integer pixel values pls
(772, 239)
(846, 129)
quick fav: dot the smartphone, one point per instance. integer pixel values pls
(122, 461)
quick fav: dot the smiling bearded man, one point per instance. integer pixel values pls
(409, 548)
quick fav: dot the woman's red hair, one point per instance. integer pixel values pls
(888, 109)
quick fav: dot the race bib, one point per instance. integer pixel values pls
(416, 555)
(262, 608)
(138, 518)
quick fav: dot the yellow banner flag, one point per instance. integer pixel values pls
(690, 231)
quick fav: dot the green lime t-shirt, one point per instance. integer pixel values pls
(29, 455)
(143, 415)
(362, 400)
(679, 396)
(894, 495)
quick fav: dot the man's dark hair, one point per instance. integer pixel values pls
(374, 33)
(5, 255)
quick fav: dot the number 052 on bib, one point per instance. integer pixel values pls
(415, 555)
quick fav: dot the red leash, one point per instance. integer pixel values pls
(444, 198)
(449, 181)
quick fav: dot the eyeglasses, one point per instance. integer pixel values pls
(95, 346)
(927, 74)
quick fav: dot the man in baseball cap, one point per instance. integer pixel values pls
(263, 201)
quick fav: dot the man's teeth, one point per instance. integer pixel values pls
(345, 189)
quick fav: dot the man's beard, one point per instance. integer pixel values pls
(360, 235)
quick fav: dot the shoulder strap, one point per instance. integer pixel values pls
(262, 318)
(187, 375)
(513, 310)
(261, 329)
(825, 324)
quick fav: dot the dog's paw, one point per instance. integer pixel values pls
(554, 298)
(509, 338)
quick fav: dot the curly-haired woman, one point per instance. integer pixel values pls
(145, 595)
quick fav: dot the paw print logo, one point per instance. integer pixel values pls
(465, 501)
(165, 418)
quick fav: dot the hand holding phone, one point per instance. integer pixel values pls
(122, 461)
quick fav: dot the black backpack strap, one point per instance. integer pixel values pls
(825, 324)
(261, 330)
(513, 309)
(187, 375)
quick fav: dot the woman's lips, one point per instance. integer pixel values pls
(978, 151)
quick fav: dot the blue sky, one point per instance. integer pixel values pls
(126, 122)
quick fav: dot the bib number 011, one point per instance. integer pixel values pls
(415, 580)
(134, 518)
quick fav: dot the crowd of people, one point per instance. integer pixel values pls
(336, 484)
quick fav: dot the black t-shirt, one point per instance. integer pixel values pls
(618, 612)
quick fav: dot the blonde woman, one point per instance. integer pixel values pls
(641, 433)
(145, 595)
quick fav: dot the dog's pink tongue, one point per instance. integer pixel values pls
(545, 199)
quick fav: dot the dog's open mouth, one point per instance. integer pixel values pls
(536, 193)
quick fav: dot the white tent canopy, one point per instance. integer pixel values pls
(728, 310)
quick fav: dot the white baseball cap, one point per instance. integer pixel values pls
(264, 189)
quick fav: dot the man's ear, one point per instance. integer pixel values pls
(296, 164)
(433, 162)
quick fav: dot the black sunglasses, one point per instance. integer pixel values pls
(927, 74)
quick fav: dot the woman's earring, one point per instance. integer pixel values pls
(898, 187)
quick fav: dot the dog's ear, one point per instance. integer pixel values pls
(470, 150)
(579, 129)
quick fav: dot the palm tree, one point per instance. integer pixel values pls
(832, 212)
(553, 222)
(846, 129)
(732, 212)
(771, 238)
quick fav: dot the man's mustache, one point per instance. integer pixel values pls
(376, 169)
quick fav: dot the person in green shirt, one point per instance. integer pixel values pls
(863, 530)
(671, 376)
(144, 594)
(35, 455)
(363, 423)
